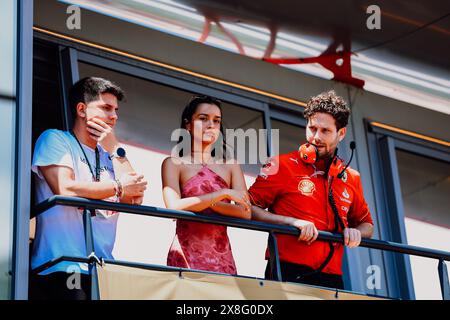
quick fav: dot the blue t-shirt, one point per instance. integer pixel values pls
(59, 230)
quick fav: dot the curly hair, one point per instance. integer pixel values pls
(329, 102)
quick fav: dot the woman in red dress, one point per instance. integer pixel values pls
(200, 182)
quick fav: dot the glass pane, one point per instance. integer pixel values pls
(7, 137)
(8, 34)
(291, 137)
(8, 48)
(146, 120)
(425, 185)
(251, 122)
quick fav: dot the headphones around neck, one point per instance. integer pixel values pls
(309, 154)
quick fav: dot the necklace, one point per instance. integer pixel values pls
(202, 162)
(95, 177)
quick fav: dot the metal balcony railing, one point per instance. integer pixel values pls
(272, 229)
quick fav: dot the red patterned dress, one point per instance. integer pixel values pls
(197, 245)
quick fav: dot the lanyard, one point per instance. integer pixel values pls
(95, 177)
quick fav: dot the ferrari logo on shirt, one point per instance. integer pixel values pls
(306, 187)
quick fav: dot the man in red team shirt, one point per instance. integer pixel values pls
(296, 192)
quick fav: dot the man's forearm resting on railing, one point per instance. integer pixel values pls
(62, 182)
(309, 233)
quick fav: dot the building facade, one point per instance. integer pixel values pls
(403, 150)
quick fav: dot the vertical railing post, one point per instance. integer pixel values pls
(274, 257)
(443, 278)
(89, 236)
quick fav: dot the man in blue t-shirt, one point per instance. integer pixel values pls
(86, 162)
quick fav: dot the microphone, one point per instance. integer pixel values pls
(353, 147)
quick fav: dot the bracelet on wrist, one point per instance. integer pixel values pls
(119, 190)
(116, 188)
(213, 201)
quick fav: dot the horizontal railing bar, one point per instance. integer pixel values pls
(159, 267)
(232, 222)
(55, 261)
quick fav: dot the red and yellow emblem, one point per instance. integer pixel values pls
(306, 187)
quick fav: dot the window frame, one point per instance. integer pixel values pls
(382, 145)
(22, 158)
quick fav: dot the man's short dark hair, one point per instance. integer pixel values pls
(329, 102)
(89, 89)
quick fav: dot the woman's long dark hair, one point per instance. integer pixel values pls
(191, 108)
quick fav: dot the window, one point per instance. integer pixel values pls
(425, 186)
(291, 136)
(411, 179)
(8, 107)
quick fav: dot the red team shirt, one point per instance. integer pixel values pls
(290, 187)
